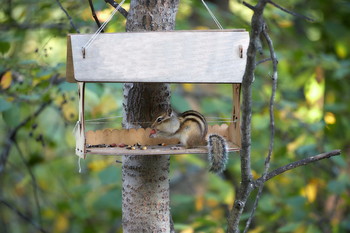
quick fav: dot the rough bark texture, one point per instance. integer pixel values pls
(248, 77)
(146, 178)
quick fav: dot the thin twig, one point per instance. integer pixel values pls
(14, 25)
(94, 15)
(248, 77)
(272, 123)
(296, 164)
(10, 138)
(68, 16)
(34, 183)
(24, 217)
(248, 5)
(115, 5)
(290, 12)
(263, 60)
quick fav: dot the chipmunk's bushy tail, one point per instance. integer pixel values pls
(217, 153)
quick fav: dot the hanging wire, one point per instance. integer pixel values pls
(94, 36)
(213, 16)
(103, 118)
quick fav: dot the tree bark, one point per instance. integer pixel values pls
(145, 192)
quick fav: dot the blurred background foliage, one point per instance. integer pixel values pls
(42, 189)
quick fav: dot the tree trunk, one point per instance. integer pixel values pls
(146, 178)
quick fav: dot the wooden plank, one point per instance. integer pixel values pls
(69, 66)
(235, 127)
(133, 136)
(176, 57)
(80, 145)
(154, 150)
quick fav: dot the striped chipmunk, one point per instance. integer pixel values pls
(191, 129)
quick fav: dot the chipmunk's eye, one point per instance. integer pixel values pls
(159, 119)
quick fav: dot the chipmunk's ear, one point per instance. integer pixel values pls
(170, 112)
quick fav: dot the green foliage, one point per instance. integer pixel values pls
(312, 116)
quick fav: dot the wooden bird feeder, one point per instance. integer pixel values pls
(213, 56)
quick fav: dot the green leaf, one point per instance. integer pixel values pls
(12, 116)
(110, 175)
(337, 187)
(65, 86)
(297, 201)
(312, 229)
(339, 161)
(179, 226)
(179, 103)
(267, 203)
(290, 227)
(109, 200)
(4, 47)
(95, 88)
(4, 105)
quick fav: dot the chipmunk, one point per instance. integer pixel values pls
(191, 128)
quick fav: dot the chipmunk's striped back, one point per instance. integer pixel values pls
(196, 117)
(191, 129)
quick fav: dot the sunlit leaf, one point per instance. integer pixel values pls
(258, 229)
(181, 227)
(310, 191)
(188, 87)
(285, 23)
(199, 202)
(314, 90)
(70, 111)
(98, 164)
(341, 49)
(61, 223)
(330, 118)
(188, 230)
(6, 80)
(107, 105)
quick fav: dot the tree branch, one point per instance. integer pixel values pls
(263, 60)
(290, 12)
(115, 5)
(14, 25)
(94, 15)
(10, 138)
(281, 8)
(248, 77)
(272, 122)
(21, 215)
(68, 16)
(248, 5)
(296, 164)
(34, 183)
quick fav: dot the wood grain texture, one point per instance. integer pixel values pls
(171, 57)
(235, 127)
(154, 150)
(69, 62)
(133, 136)
(141, 135)
(80, 144)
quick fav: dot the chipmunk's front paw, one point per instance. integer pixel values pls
(153, 133)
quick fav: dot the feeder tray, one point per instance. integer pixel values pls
(213, 56)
